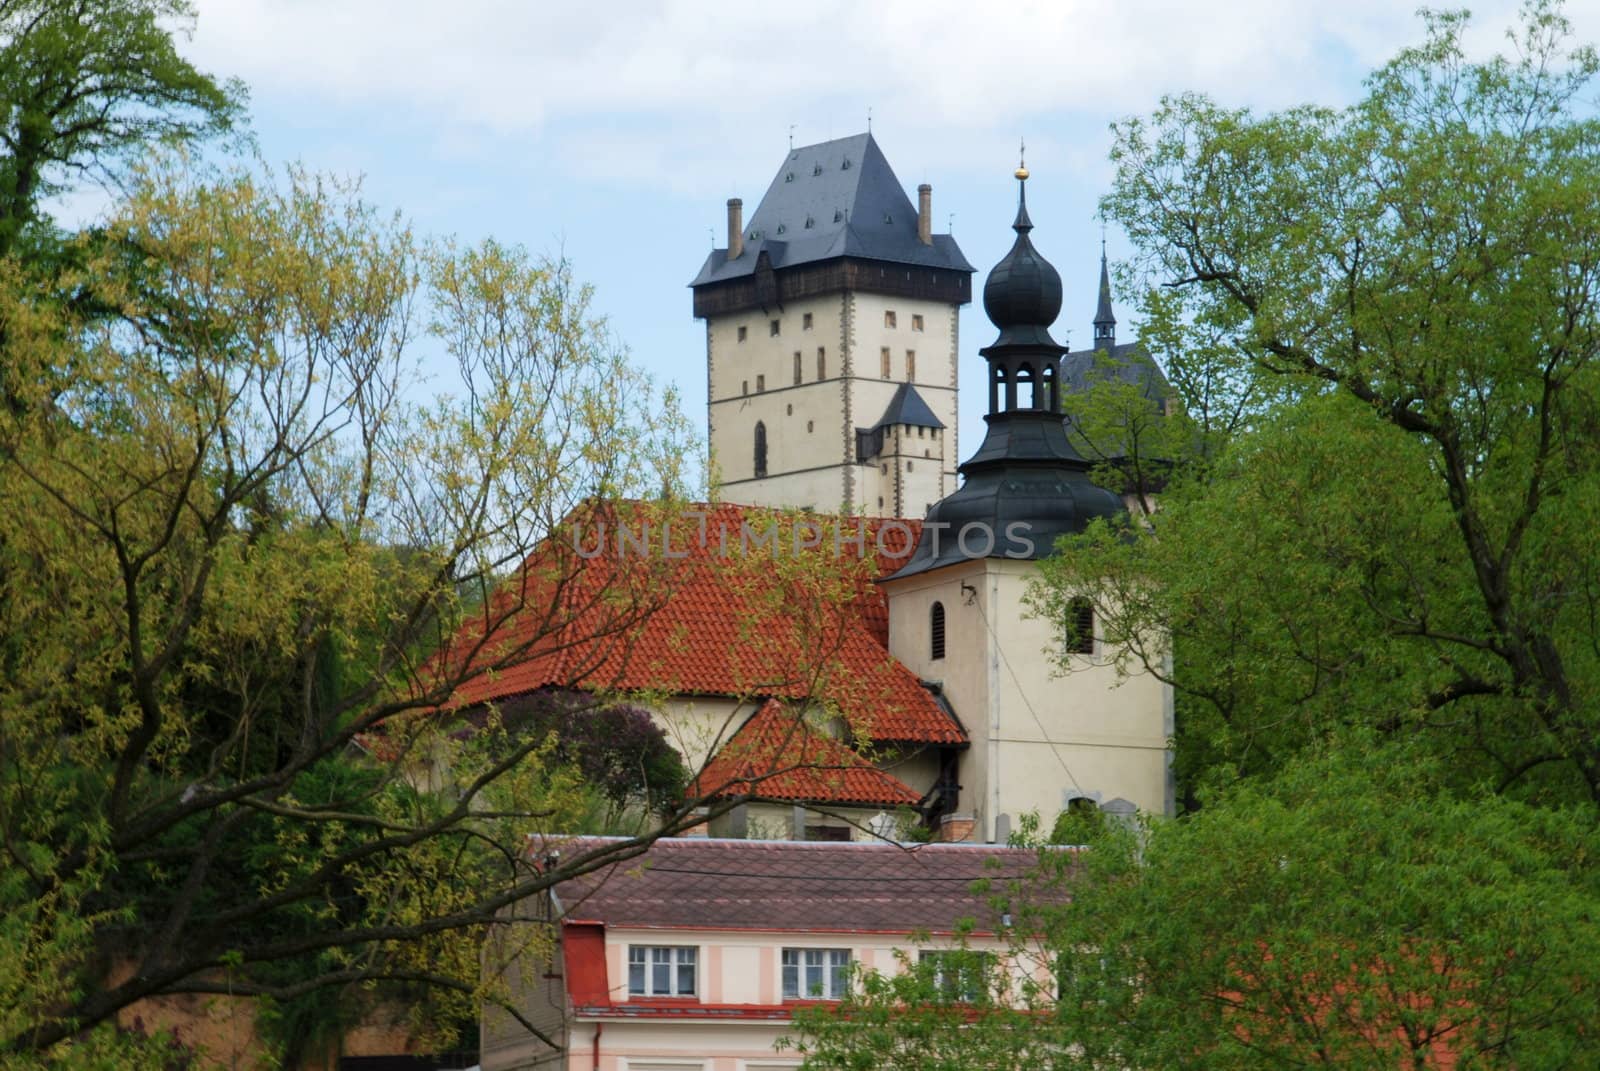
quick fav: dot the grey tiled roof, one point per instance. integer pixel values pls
(698, 883)
(909, 407)
(1128, 362)
(836, 199)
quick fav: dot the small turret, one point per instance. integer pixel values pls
(1105, 324)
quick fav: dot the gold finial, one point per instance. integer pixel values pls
(1022, 166)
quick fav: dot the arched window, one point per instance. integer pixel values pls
(761, 449)
(936, 631)
(999, 388)
(1080, 626)
(1027, 396)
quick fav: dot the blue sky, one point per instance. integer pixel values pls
(615, 133)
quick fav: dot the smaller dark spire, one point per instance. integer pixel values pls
(1105, 324)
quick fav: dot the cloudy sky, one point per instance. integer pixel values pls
(614, 133)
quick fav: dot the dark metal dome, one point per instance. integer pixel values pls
(1023, 292)
(1026, 486)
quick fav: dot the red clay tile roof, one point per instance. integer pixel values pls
(786, 886)
(593, 612)
(778, 755)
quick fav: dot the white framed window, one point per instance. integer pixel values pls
(661, 970)
(815, 973)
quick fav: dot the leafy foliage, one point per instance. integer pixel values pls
(1401, 532)
(229, 547)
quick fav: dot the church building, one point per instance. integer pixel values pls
(932, 694)
(834, 257)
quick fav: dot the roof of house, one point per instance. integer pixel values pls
(780, 755)
(909, 407)
(729, 617)
(817, 886)
(1128, 362)
(838, 198)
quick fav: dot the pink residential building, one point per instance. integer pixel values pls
(693, 956)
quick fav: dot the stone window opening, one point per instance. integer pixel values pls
(761, 450)
(936, 631)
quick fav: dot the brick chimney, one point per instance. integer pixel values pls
(735, 228)
(925, 214)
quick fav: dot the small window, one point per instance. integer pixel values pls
(744, 386)
(888, 318)
(916, 321)
(808, 425)
(805, 322)
(788, 410)
(883, 355)
(908, 466)
(822, 362)
(957, 974)
(797, 368)
(1080, 626)
(816, 973)
(761, 450)
(744, 332)
(833, 833)
(661, 970)
(772, 328)
(761, 384)
(936, 630)
(911, 365)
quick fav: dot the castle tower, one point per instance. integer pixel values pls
(958, 612)
(831, 340)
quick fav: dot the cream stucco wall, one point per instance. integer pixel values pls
(734, 968)
(1042, 731)
(699, 725)
(810, 425)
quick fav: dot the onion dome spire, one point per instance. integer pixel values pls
(1105, 324)
(1022, 295)
(1026, 477)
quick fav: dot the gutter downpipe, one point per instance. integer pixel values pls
(597, 1028)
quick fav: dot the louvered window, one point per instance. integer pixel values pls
(936, 623)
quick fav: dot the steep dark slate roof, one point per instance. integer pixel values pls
(1128, 362)
(909, 407)
(836, 199)
(1102, 312)
(697, 883)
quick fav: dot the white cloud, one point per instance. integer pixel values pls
(691, 90)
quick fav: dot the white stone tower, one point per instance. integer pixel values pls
(957, 613)
(832, 338)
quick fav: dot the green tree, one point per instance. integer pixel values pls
(229, 549)
(1402, 533)
(88, 85)
(1332, 918)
